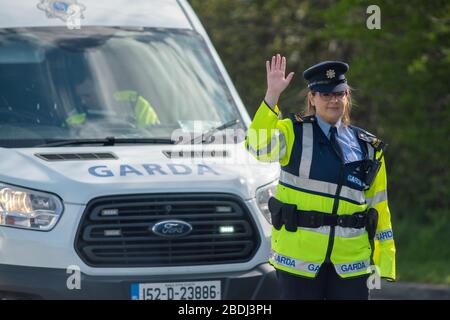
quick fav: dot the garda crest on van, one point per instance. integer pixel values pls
(64, 10)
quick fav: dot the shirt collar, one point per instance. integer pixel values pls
(325, 126)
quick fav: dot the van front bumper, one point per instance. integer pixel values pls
(21, 282)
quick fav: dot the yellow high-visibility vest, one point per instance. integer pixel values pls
(295, 143)
(144, 112)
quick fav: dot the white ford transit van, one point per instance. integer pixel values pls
(121, 173)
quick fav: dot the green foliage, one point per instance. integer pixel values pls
(423, 253)
(400, 74)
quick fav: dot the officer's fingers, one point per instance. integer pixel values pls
(283, 64)
(278, 61)
(273, 65)
(289, 77)
(267, 66)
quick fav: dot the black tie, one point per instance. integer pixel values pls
(334, 142)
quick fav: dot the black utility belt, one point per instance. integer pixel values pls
(288, 215)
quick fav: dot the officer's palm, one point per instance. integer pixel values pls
(276, 80)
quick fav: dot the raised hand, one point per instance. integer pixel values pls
(276, 80)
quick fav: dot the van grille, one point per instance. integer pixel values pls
(116, 231)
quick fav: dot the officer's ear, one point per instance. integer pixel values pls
(311, 98)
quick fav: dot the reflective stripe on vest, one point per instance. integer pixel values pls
(285, 261)
(277, 139)
(321, 187)
(307, 151)
(352, 267)
(322, 230)
(377, 198)
(339, 231)
(348, 232)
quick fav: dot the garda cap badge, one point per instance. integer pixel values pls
(331, 73)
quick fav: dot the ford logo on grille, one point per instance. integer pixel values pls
(172, 228)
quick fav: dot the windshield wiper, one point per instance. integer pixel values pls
(208, 134)
(108, 141)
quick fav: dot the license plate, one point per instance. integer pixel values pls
(195, 290)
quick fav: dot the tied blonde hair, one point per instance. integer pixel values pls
(310, 110)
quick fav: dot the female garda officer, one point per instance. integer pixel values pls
(330, 216)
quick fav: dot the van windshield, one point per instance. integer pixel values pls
(58, 84)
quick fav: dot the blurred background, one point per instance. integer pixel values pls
(401, 79)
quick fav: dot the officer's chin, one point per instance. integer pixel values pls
(334, 114)
(334, 110)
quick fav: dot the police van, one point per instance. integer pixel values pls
(123, 171)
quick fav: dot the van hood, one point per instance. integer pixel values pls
(137, 170)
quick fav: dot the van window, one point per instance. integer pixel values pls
(58, 84)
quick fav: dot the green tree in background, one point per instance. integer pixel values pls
(401, 79)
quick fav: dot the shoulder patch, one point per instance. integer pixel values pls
(369, 138)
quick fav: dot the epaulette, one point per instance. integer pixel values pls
(297, 117)
(309, 119)
(366, 136)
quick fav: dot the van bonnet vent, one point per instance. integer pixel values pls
(76, 156)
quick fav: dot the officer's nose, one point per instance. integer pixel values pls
(334, 101)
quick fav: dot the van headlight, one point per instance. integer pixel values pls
(262, 198)
(29, 209)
